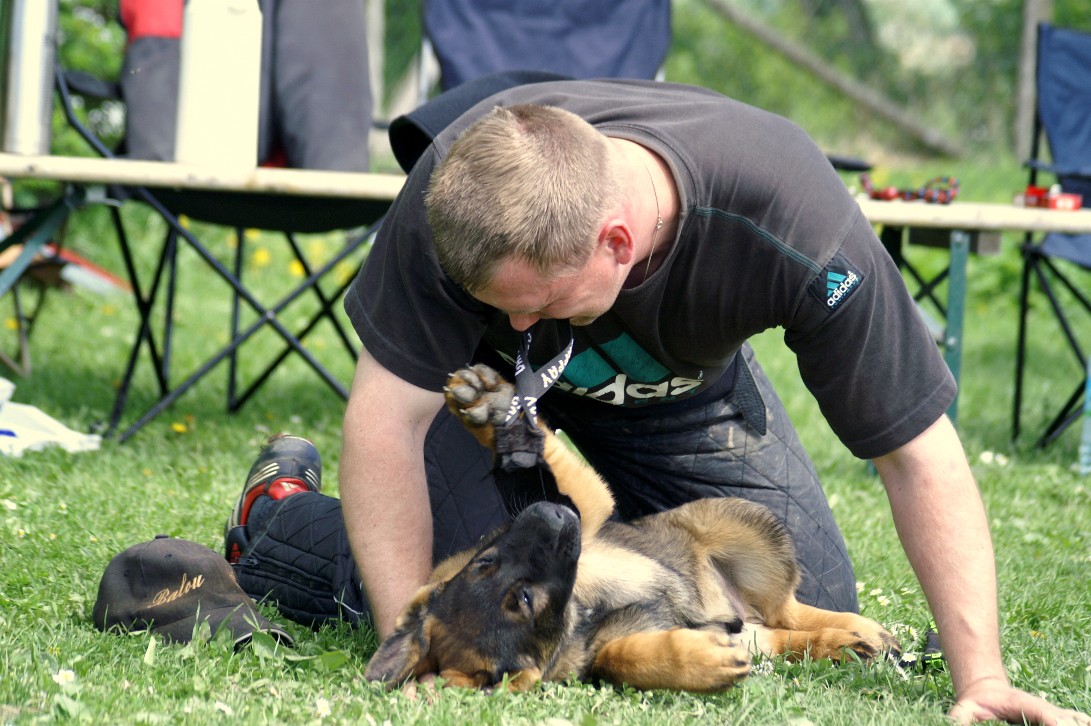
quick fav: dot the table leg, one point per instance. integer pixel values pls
(956, 310)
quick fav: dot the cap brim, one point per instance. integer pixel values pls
(241, 620)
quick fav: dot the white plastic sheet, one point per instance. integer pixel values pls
(26, 428)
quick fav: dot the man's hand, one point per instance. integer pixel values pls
(997, 700)
(942, 524)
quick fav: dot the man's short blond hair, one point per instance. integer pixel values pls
(530, 182)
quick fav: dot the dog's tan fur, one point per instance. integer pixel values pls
(679, 600)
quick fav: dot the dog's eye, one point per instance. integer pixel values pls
(526, 599)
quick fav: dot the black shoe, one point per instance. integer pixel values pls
(287, 465)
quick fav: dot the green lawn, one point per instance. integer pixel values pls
(63, 516)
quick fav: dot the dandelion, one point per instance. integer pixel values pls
(344, 272)
(178, 427)
(883, 600)
(64, 677)
(859, 587)
(261, 257)
(987, 457)
(10, 505)
(295, 269)
(876, 592)
(322, 707)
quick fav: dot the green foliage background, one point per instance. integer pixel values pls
(972, 99)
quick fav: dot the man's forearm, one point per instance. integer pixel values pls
(384, 494)
(942, 525)
(385, 505)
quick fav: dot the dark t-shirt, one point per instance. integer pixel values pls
(768, 237)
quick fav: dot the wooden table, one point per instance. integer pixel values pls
(160, 175)
(971, 226)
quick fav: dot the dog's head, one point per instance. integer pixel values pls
(504, 613)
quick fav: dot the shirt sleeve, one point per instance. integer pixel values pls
(865, 352)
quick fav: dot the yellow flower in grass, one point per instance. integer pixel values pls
(295, 268)
(317, 249)
(260, 257)
(185, 426)
(345, 271)
(11, 324)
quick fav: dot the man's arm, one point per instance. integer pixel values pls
(384, 493)
(941, 522)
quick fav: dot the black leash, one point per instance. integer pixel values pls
(522, 474)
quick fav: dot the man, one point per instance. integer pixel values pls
(657, 227)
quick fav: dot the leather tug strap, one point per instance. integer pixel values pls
(521, 473)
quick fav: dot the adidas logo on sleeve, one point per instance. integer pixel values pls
(836, 283)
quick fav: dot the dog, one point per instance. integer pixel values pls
(682, 599)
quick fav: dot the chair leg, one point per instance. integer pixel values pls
(233, 358)
(20, 362)
(1021, 344)
(1069, 414)
(145, 334)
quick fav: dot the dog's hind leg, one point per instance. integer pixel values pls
(796, 629)
(480, 398)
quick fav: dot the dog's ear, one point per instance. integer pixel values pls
(404, 653)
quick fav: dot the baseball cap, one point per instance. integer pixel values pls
(168, 585)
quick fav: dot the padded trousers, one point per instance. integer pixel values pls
(299, 555)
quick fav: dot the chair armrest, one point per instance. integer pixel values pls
(1084, 171)
(91, 86)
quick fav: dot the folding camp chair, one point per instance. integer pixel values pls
(1060, 263)
(575, 38)
(288, 214)
(559, 38)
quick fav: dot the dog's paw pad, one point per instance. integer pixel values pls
(479, 396)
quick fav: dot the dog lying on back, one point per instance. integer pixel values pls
(682, 599)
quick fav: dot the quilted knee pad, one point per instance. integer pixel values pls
(299, 559)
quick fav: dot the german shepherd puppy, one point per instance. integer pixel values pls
(680, 599)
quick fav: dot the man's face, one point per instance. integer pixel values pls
(580, 297)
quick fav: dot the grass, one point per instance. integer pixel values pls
(63, 516)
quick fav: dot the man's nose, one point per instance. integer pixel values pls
(522, 321)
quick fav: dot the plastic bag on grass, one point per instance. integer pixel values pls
(26, 428)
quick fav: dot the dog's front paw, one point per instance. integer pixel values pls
(480, 398)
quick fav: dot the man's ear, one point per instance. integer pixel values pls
(616, 238)
(404, 653)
